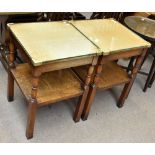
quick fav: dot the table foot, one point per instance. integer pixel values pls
(84, 117)
(120, 105)
(10, 98)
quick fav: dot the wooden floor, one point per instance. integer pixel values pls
(53, 86)
(112, 75)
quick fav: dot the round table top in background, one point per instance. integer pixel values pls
(145, 27)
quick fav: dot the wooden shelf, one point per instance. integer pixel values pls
(53, 86)
(112, 75)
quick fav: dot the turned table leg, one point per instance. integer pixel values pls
(128, 86)
(92, 91)
(10, 87)
(32, 107)
(80, 105)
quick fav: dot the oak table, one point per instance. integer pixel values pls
(145, 28)
(114, 41)
(50, 49)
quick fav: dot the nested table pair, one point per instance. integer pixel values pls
(65, 60)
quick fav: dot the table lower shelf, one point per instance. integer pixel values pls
(112, 75)
(53, 86)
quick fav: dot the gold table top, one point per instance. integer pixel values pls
(109, 35)
(51, 41)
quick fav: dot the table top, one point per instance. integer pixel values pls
(109, 35)
(46, 42)
(51, 41)
(141, 25)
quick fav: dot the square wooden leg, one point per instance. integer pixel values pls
(152, 80)
(10, 88)
(128, 86)
(31, 119)
(149, 76)
(80, 106)
(32, 106)
(88, 104)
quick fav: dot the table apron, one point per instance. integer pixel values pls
(57, 65)
(120, 55)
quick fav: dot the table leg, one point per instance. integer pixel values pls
(152, 80)
(32, 107)
(80, 106)
(10, 89)
(150, 76)
(146, 56)
(92, 91)
(128, 86)
(130, 66)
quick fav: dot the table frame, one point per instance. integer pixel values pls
(38, 71)
(96, 63)
(139, 54)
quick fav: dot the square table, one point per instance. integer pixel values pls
(50, 50)
(114, 41)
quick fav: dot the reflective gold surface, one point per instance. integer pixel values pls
(51, 41)
(109, 35)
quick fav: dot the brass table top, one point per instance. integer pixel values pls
(51, 41)
(109, 35)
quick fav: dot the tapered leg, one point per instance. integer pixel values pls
(92, 90)
(149, 76)
(32, 106)
(89, 102)
(10, 89)
(80, 106)
(31, 119)
(128, 86)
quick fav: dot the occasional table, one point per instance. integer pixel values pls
(145, 28)
(51, 49)
(114, 41)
